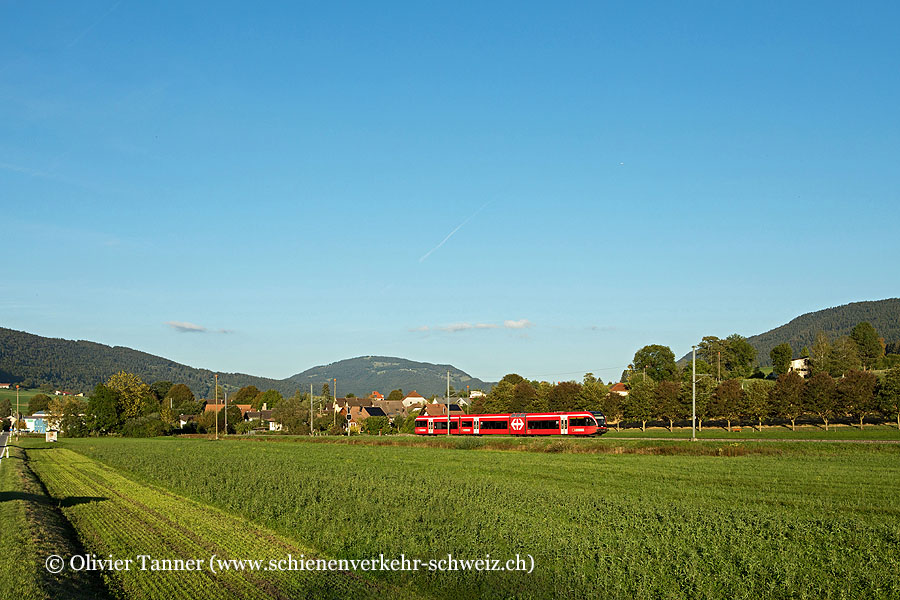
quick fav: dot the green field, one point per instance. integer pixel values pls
(24, 397)
(637, 519)
(805, 432)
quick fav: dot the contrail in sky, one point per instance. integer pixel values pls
(450, 235)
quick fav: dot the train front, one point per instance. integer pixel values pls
(601, 422)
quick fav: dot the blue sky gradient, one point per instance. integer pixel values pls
(613, 175)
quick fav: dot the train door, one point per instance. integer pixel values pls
(564, 424)
(475, 425)
(430, 426)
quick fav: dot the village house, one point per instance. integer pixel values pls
(244, 408)
(436, 409)
(5, 386)
(619, 389)
(413, 399)
(376, 396)
(266, 417)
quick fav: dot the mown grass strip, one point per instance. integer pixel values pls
(128, 519)
(34, 528)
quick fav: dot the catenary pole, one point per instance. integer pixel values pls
(693, 393)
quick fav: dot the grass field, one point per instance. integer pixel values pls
(795, 520)
(24, 397)
(835, 432)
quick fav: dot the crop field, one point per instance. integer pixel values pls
(805, 432)
(116, 516)
(24, 397)
(795, 520)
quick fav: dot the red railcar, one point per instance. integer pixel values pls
(582, 423)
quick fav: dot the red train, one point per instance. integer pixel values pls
(556, 423)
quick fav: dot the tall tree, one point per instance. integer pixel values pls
(889, 394)
(657, 361)
(5, 408)
(177, 396)
(268, 399)
(869, 346)
(395, 395)
(856, 394)
(728, 401)
(669, 404)
(741, 356)
(781, 356)
(819, 354)
(592, 395)
(523, 396)
(159, 389)
(788, 397)
(759, 401)
(38, 402)
(639, 403)
(564, 396)
(612, 408)
(103, 410)
(246, 395)
(843, 357)
(820, 396)
(134, 395)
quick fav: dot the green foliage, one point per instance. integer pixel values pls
(177, 396)
(843, 357)
(728, 401)
(293, 414)
(103, 415)
(395, 395)
(639, 404)
(159, 389)
(869, 346)
(146, 426)
(669, 403)
(758, 395)
(5, 408)
(781, 356)
(889, 394)
(512, 378)
(820, 396)
(134, 395)
(246, 395)
(564, 396)
(856, 391)
(788, 397)
(270, 399)
(376, 426)
(38, 402)
(657, 361)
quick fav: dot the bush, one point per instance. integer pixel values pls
(149, 426)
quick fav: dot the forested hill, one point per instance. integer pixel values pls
(884, 315)
(78, 366)
(364, 374)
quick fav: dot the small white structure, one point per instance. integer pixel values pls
(413, 398)
(800, 366)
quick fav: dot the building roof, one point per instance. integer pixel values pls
(413, 394)
(618, 387)
(265, 415)
(351, 402)
(244, 408)
(373, 411)
(375, 395)
(436, 410)
(390, 407)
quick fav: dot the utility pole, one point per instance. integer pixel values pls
(719, 376)
(226, 412)
(693, 393)
(216, 405)
(310, 410)
(17, 412)
(448, 402)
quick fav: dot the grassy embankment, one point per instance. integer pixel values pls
(794, 520)
(24, 397)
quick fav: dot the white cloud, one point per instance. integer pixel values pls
(183, 327)
(466, 326)
(520, 324)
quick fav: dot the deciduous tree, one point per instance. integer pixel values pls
(856, 393)
(820, 398)
(869, 345)
(134, 395)
(788, 397)
(728, 401)
(657, 361)
(889, 394)
(781, 356)
(759, 401)
(669, 404)
(640, 401)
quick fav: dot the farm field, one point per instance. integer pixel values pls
(119, 517)
(795, 520)
(24, 397)
(835, 432)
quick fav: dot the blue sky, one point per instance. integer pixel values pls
(505, 187)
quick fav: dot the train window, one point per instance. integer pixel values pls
(492, 425)
(467, 423)
(454, 425)
(581, 422)
(421, 422)
(544, 424)
(440, 426)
